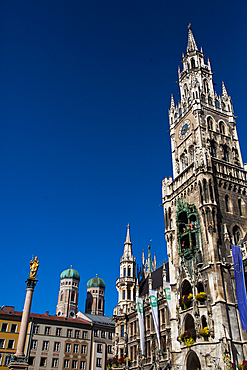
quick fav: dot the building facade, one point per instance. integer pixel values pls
(133, 284)
(205, 212)
(67, 340)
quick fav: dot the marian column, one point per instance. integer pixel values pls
(19, 361)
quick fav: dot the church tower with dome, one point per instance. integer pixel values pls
(67, 305)
(95, 302)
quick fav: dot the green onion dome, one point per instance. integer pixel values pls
(96, 282)
(70, 274)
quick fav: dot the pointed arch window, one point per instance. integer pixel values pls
(240, 207)
(192, 154)
(73, 296)
(193, 63)
(227, 203)
(213, 149)
(210, 123)
(236, 234)
(185, 90)
(226, 154)
(222, 128)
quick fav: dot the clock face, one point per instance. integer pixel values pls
(184, 129)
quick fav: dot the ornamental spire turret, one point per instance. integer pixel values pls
(191, 45)
(224, 91)
(127, 254)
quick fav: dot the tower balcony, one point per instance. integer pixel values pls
(226, 171)
(125, 280)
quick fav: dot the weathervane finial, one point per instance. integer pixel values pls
(189, 26)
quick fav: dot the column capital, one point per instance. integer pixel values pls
(31, 283)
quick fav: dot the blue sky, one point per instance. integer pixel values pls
(85, 90)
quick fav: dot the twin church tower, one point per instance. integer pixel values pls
(205, 212)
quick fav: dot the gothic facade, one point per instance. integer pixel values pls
(132, 283)
(205, 212)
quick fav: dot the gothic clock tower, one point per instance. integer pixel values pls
(205, 212)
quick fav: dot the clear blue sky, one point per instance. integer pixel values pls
(85, 89)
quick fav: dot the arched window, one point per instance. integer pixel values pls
(186, 288)
(213, 149)
(211, 191)
(210, 101)
(236, 234)
(166, 225)
(200, 287)
(193, 63)
(200, 190)
(99, 304)
(191, 154)
(203, 98)
(204, 322)
(226, 154)
(169, 218)
(222, 128)
(227, 203)
(210, 123)
(240, 207)
(124, 271)
(73, 296)
(189, 322)
(128, 293)
(185, 90)
(129, 271)
(123, 294)
(193, 362)
(205, 190)
(61, 296)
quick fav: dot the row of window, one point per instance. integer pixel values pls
(56, 347)
(100, 346)
(43, 363)
(10, 345)
(210, 124)
(103, 334)
(70, 334)
(72, 298)
(69, 283)
(5, 326)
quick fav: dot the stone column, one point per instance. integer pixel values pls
(19, 361)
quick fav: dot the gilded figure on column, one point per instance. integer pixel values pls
(34, 265)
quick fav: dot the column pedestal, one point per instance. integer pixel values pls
(19, 361)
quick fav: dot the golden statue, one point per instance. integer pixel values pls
(34, 265)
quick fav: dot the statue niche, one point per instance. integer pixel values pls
(188, 229)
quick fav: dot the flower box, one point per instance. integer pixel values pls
(205, 332)
(185, 301)
(201, 297)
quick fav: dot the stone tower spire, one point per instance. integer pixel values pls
(126, 283)
(204, 205)
(191, 45)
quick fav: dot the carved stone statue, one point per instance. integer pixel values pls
(34, 265)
